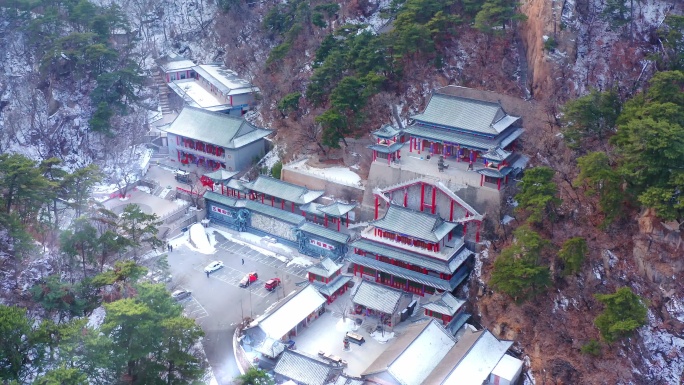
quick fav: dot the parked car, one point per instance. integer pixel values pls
(212, 267)
(180, 294)
(249, 279)
(272, 283)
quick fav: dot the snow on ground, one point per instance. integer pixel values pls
(382, 337)
(181, 202)
(375, 21)
(246, 236)
(346, 325)
(96, 318)
(301, 261)
(341, 175)
(204, 246)
(676, 308)
(144, 189)
(271, 158)
(198, 237)
(666, 353)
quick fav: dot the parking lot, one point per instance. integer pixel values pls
(248, 253)
(233, 277)
(219, 304)
(193, 309)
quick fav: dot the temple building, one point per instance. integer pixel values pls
(211, 87)
(269, 206)
(214, 140)
(327, 276)
(418, 245)
(455, 137)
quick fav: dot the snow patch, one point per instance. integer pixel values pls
(340, 175)
(346, 325)
(198, 237)
(676, 308)
(144, 189)
(382, 337)
(97, 317)
(666, 361)
(301, 261)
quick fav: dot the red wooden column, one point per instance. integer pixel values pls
(422, 196)
(347, 220)
(451, 211)
(481, 179)
(377, 206)
(410, 144)
(498, 184)
(272, 200)
(405, 197)
(338, 223)
(434, 199)
(282, 204)
(292, 206)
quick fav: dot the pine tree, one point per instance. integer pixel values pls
(573, 253)
(591, 116)
(624, 312)
(139, 228)
(538, 194)
(517, 270)
(599, 178)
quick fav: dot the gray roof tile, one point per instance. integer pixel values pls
(326, 233)
(385, 149)
(412, 223)
(337, 209)
(283, 190)
(228, 201)
(221, 175)
(414, 276)
(387, 132)
(215, 128)
(331, 287)
(303, 368)
(466, 114)
(444, 303)
(324, 268)
(404, 256)
(377, 297)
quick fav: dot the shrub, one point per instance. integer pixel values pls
(277, 169)
(572, 253)
(592, 348)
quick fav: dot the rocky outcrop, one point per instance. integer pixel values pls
(658, 249)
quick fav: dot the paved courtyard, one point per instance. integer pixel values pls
(327, 333)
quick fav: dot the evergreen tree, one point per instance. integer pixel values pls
(573, 253)
(591, 116)
(22, 185)
(671, 34)
(139, 228)
(62, 376)
(624, 312)
(80, 241)
(496, 13)
(599, 178)
(255, 376)
(538, 194)
(517, 270)
(18, 353)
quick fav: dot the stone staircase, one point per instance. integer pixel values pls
(163, 90)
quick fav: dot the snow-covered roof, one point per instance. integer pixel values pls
(508, 368)
(173, 62)
(324, 268)
(224, 79)
(377, 297)
(422, 356)
(292, 310)
(479, 361)
(303, 368)
(195, 95)
(415, 354)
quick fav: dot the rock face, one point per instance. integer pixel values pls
(658, 250)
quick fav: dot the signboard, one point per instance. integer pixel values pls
(221, 211)
(320, 244)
